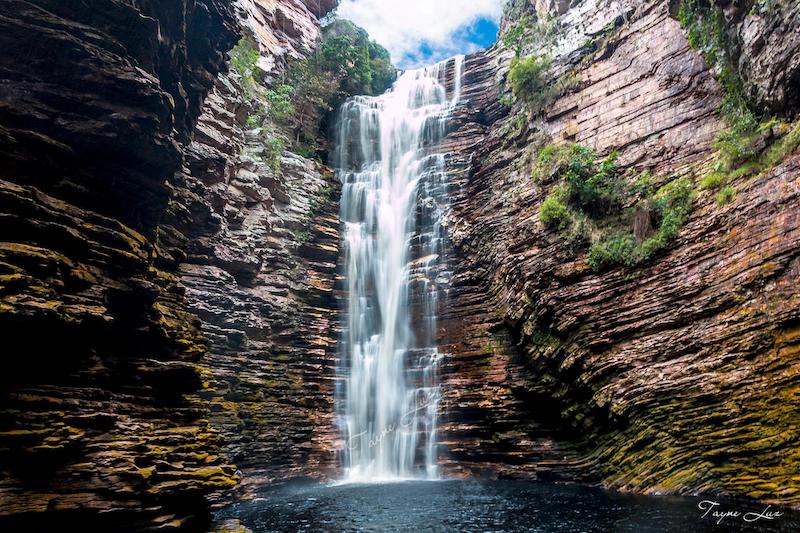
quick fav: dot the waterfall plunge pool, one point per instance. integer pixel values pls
(496, 506)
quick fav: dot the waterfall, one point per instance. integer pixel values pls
(393, 195)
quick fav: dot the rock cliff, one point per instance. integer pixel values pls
(678, 373)
(140, 231)
(260, 271)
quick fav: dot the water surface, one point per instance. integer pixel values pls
(487, 506)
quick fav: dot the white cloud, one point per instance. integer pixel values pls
(404, 26)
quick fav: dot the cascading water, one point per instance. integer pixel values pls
(394, 191)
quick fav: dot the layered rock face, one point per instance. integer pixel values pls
(138, 213)
(100, 412)
(260, 272)
(169, 299)
(678, 375)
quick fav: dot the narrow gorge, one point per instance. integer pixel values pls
(255, 278)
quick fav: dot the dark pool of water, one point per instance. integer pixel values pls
(489, 506)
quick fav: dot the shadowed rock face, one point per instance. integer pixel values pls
(676, 376)
(130, 227)
(99, 411)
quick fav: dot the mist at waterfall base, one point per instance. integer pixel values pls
(394, 192)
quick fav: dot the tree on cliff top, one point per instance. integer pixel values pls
(300, 103)
(365, 67)
(347, 63)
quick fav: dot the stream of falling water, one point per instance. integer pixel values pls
(394, 191)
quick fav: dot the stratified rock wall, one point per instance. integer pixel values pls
(679, 375)
(262, 252)
(100, 422)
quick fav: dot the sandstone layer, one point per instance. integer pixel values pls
(679, 375)
(260, 272)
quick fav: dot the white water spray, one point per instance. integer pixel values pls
(394, 190)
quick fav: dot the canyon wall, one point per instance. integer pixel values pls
(678, 374)
(156, 298)
(260, 269)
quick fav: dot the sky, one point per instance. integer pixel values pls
(422, 32)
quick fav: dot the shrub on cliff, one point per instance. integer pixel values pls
(280, 106)
(590, 187)
(530, 81)
(244, 62)
(619, 249)
(670, 206)
(530, 30)
(554, 213)
(586, 205)
(725, 195)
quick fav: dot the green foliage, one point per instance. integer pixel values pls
(554, 213)
(643, 185)
(530, 81)
(590, 187)
(618, 249)
(515, 36)
(745, 170)
(303, 237)
(595, 189)
(735, 147)
(254, 120)
(725, 195)
(530, 76)
(588, 199)
(671, 205)
(273, 147)
(314, 97)
(364, 66)
(713, 181)
(309, 152)
(280, 107)
(788, 145)
(707, 30)
(244, 61)
(518, 124)
(554, 158)
(786, 141)
(383, 72)
(348, 63)
(530, 30)
(741, 148)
